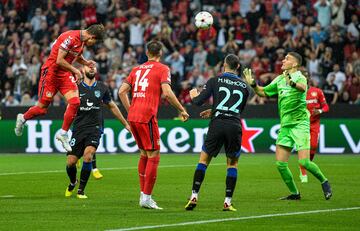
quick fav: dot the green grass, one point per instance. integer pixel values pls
(38, 201)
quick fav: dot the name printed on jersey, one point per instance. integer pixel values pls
(230, 82)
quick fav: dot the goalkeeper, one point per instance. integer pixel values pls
(291, 87)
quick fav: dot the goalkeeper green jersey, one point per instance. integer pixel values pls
(291, 101)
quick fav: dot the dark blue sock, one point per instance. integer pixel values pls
(231, 178)
(199, 176)
(84, 176)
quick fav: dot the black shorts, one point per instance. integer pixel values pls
(81, 139)
(222, 133)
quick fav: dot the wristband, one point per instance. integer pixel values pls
(292, 83)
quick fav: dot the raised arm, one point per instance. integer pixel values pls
(251, 81)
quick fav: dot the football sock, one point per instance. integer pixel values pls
(34, 111)
(71, 171)
(141, 170)
(312, 155)
(287, 176)
(84, 176)
(302, 170)
(150, 174)
(199, 176)
(231, 178)
(70, 113)
(94, 161)
(313, 168)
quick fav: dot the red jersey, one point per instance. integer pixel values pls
(145, 81)
(315, 99)
(69, 41)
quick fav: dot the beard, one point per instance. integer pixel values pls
(90, 75)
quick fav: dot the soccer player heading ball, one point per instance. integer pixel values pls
(146, 83)
(57, 74)
(291, 87)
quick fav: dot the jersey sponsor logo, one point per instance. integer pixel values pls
(97, 94)
(89, 103)
(311, 101)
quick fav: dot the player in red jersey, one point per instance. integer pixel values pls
(316, 104)
(57, 74)
(146, 83)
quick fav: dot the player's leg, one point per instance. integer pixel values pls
(95, 171)
(71, 172)
(46, 91)
(231, 178)
(212, 145)
(284, 145)
(301, 136)
(314, 139)
(198, 178)
(69, 90)
(85, 171)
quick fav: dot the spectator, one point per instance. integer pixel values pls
(323, 9)
(26, 100)
(136, 32)
(155, 7)
(199, 59)
(318, 35)
(247, 54)
(214, 57)
(313, 66)
(10, 101)
(101, 10)
(284, 8)
(330, 90)
(339, 77)
(37, 19)
(353, 29)
(337, 9)
(22, 82)
(176, 62)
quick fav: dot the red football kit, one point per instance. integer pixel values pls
(315, 99)
(145, 81)
(53, 77)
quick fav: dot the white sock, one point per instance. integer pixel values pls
(194, 195)
(63, 132)
(146, 197)
(227, 200)
(94, 169)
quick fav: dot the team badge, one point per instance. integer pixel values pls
(49, 94)
(97, 94)
(313, 94)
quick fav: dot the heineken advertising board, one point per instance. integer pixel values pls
(259, 135)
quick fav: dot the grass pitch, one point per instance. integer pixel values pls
(32, 195)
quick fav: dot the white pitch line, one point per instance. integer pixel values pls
(234, 219)
(110, 169)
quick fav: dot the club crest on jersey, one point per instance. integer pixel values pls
(97, 94)
(49, 94)
(313, 94)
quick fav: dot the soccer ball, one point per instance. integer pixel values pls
(203, 20)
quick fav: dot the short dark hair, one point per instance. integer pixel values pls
(232, 61)
(154, 48)
(297, 56)
(98, 30)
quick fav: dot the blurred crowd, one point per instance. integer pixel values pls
(260, 32)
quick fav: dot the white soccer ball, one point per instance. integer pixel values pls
(203, 20)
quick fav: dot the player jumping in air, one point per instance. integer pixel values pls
(291, 87)
(316, 104)
(230, 95)
(146, 83)
(57, 74)
(87, 129)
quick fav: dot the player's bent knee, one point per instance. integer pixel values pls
(304, 162)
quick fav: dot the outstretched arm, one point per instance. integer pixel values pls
(251, 81)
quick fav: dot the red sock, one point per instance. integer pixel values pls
(150, 174)
(34, 111)
(303, 170)
(70, 113)
(141, 169)
(312, 155)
